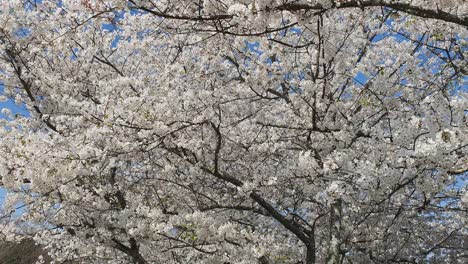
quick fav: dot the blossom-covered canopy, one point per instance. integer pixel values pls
(236, 131)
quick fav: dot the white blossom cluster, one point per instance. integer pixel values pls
(249, 131)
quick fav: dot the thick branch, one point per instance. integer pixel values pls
(418, 11)
(132, 250)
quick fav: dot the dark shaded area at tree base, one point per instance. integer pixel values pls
(25, 252)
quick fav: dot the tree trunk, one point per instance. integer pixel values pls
(333, 254)
(310, 254)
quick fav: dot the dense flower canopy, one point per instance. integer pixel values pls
(236, 131)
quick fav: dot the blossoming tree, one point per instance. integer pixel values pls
(236, 131)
